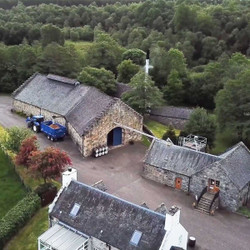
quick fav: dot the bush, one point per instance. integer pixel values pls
(170, 133)
(46, 192)
(17, 217)
(15, 137)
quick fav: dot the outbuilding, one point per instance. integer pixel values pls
(226, 176)
(93, 119)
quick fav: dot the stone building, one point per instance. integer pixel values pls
(90, 116)
(227, 175)
(83, 217)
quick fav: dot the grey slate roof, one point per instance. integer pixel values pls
(172, 112)
(177, 159)
(236, 164)
(109, 218)
(80, 104)
(89, 110)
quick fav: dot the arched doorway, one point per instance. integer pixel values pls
(114, 137)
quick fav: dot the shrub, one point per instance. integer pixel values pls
(170, 133)
(17, 217)
(15, 137)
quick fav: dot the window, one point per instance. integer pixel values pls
(217, 183)
(135, 238)
(75, 210)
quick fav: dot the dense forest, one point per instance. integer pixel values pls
(198, 47)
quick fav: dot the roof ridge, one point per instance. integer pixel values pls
(188, 149)
(118, 198)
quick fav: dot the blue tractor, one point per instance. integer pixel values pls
(52, 130)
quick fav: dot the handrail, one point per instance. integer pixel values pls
(203, 192)
(215, 196)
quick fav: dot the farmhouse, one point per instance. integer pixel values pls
(226, 177)
(83, 217)
(90, 116)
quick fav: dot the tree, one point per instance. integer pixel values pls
(144, 93)
(51, 33)
(170, 133)
(48, 164)
(27, 147)
(100, 78)
(60, 60)
(233, 105)
(136, 55)
(126, 70)
(15, 137)
(105, 52)
(203, 124)
(173, 91)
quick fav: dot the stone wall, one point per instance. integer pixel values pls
(164, 176)
(229, 194)
(120, 113)
(76, 138)
(29, 109)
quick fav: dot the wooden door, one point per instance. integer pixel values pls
(178, 182)
(214, 186)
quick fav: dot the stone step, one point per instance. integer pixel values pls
(205, 201)
(202, 211)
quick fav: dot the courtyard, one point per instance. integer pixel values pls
(121, 171)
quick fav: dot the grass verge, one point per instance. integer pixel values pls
(245, 211)
(11, 187)
(158, 129)
(27, 237)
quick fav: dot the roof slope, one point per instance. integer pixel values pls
(89, 109)
(178, 159)
(109, 218)
(236, 164)
(52, 95)
(80, 104)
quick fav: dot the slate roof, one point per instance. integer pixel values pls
(172, 112)
(236, 164)
(109, 218)
(121, 88)
(177, 159)
(81, 105)
(90, 109)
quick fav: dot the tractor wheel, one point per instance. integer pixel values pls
(35, 129)
(51, 138)
(48, 137)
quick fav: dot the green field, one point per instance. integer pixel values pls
(27, 237)
(12, 189)
(80, 46)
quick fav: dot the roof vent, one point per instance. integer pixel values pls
(136, 238)
(63, 79)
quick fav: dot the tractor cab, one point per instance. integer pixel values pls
(34, 122)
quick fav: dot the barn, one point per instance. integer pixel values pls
(93, 119)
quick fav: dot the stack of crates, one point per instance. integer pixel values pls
(100, 151)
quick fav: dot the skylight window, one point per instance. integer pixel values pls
(75, 210)
(135, 238)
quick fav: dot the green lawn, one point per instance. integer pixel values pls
(158, 129)
(11, 188)
(27, 237)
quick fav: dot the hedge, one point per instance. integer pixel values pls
(18, 216)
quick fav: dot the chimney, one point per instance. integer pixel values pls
(68, 175)
(172, 218)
